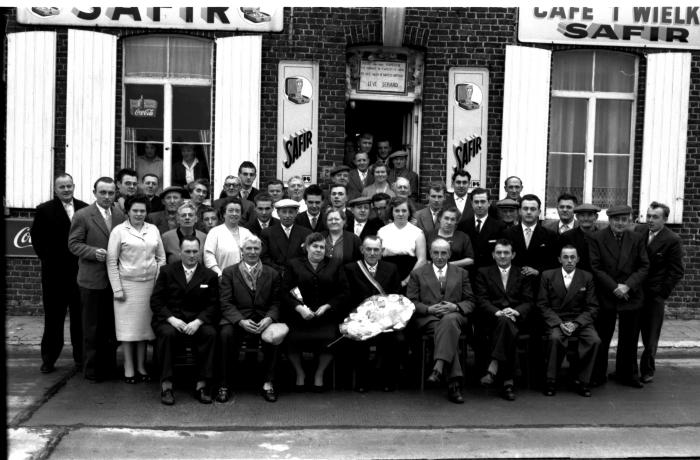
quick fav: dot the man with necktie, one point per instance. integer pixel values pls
(312, 218)
(360, 222)
(427, 218)
(263, 215)
(461, 180)
(566, 203)
(59, 270)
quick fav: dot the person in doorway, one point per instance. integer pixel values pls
(360, 176)
(399, 168)
(191, 167)
(380, 183)
(149, 160)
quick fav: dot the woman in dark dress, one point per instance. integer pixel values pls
(462, 253)
(312, 298)
(341, 245)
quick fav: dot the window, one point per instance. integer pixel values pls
(591, 134)
(167, 106)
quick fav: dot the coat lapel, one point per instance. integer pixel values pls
(657, 241)
(432, 280)
(624, 249)
(179, 274)
(573, 287)
(262, 285)
(99, 220)
(611, 244)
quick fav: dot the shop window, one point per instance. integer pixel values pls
(591, 133)
(167, 106)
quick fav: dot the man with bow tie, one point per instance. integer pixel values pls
(568, 305)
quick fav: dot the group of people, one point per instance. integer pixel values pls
(282, 268)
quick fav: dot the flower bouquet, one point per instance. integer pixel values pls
(377, 314)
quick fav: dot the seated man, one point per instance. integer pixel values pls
(362, 279)
(504, 297)
(185, 302)
(443, 298)
(250, 301)
(568, 305)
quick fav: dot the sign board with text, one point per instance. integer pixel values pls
(630, 25)
(383, 76)
(18, 241)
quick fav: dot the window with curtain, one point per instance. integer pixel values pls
(591, 126)
(167, 103)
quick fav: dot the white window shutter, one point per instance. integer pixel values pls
(665, 133)
(237, 114)
(31, 89)
(90, 108)
(525, 118)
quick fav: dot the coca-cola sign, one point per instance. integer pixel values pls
(143, 108)
(18, 241)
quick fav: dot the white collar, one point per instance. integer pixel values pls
(459, 198)
(189, 270)
(436, 269)
(561, 224)
(506, 270)
(568, 275)
(483, 219)
(194, 163)
(522, 224)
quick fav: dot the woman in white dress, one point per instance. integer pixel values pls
(223, 245)
(134, 256)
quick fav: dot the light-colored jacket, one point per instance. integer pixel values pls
(134, 255)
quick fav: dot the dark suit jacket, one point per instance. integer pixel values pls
(542, 252)
(468, 210)
(251, 196)
(558, 305)
(484, 241)
(371, 227)
(179, 178)
(355, 183)
(665, 261)
(254, 226)
(88, 233)
(303, 220)
(424, 291)
(277, 250)
(160, 220)
(156, 204)
(424, 221)
(357, 288)
(174, 296)
(351, 246)
(317, 287)
(171, 245)
(578, 239)
(49, 234)
(613, 265)
(491, 297)
(239, 302)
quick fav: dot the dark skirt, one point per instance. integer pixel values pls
(314, 335)
(403, 263)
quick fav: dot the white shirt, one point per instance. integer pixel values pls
(460, 202)
(532, 232)
(568, 277)
(363, 175)
(440, 271)
(482, 219)
(287, 230)
(505, 272)
(359, 226)
(189, 272)
(569, 226)
(372, 268)
(189, 170)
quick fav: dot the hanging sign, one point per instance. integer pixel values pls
(18, 241)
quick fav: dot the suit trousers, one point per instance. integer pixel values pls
(58, 296)
(652, 318)
(99, 339)
(230, 340)
(627, 336)
(446, 331)
(389, 351)
(557, 343)
(167, 340)
(504, 344)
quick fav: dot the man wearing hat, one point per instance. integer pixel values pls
(620, 266)
(586, 216)
(360, 223)
(172, 198)
(508, 211)
(360, 176)
(399, 168)
(340, 175)
(281, 243)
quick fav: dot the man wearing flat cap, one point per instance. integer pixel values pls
(340, 175)
(586, 216)
(360, 223)
(399, 168)
(508, 211)
(172, 198)
(281, 243)
(620, 266)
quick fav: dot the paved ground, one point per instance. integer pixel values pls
(61, 415)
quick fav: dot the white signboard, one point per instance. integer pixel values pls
(263, 19)
(383, 76)
(630, 25)
(467, 111)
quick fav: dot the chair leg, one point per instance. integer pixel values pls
(422, 364)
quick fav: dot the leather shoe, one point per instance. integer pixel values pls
(647, 378)
(507, 393)
(550, 388)
(632, 382)
(167, 398)
(435, 377)
(223, 395)
(454, 393)
(584, 390)
(203, 395)
(269, 395)
(47, 368)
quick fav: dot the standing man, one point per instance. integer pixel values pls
(399, 168)
(620, 267)
(185, 302)
(360, 176)
(282, 242)
(295, 191)
(275, 188)
(513, 186)
(443, 298)
(459, 198)
(127, 185)
(427, 218)
(586, 216)
(172, 239)
(565, 208)
(483, 230)
(247, 173)
(172, 198)
(312, 218)
(380, 201)
(508, 211)
(402, 187)
(263, 214)
(150, 183)
(88, 238)
(340, 175)
(360, 223)
(232, 189)
(59, 270)
(568, 305)
(338, 199)
(383, 151)
(665, 253)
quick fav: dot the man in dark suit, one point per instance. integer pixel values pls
(358, 286)
(360, 176)
(190, 168)
(566, 203)
(247, 172)
(586, 216)
(312, 218)
(263, 215)
(504, 299)
(665, 253)
(443, 298)
(340, 175)
(282, 242)
(399, 168)
(59, 270)
(620, 266)
(483, 230)
(88, 238)
(150, 184)
(250, 303)
(461, 180)
(427, 218)
(172, 198)
(185, 302)
(568, 304)
(508, 211)
(359, 222)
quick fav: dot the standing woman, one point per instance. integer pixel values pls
(381, 184)
(404, 243)
(311, 311)
(223, 245)
(461, 251)
(134, 256)
(341, 245)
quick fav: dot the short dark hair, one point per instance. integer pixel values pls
(313, 189)
(196, 182)
(568, 246)
(143, 179)
(105, 179)
(312, 238)
(274, 182)
(461, 172)
(398, 201)
(656, 205)
(341, 214)
(126, 172)
(450, 209)
(503, 242)
(262, 196)
(531, 197)
(134, 199)
(567, 197)
(330, 189)
(437, 186)
(505, 182)
(381, 196)
(191, 237)
(247, 164)
(480, 191)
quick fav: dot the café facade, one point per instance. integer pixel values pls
(600, 101)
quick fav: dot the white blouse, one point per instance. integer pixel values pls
(221, 249)
(399, 242)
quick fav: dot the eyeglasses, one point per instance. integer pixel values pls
(232, 185)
